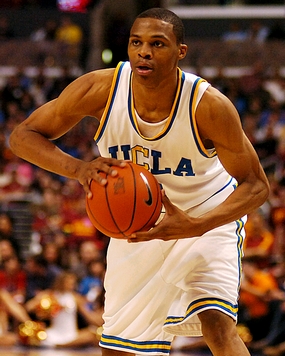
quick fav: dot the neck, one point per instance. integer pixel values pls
(154, 104)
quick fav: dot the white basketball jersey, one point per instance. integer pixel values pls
(189, 173)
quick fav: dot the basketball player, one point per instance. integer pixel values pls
(184, 280)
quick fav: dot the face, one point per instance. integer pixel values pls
(153, 50)
(69, 283)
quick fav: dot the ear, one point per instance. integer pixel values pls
(182, 51)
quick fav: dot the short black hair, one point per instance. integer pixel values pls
(169, 17)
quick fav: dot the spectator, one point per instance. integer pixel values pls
(259, 240)
(77, 226)
(39, 277)
(7, 249)
(275, 85)
(277, 219)
(60, 83)
(39, 88)
(235, 33)
(257, 32)
(274, 342)
(70, 37)
(9, 308)
(19, 176)
(12, 92)
(252, 82)
(47, 214)
(257, 288)
(271, 121)
(91, 286)
(13, 278)
(65, 303)
(8, 242)
(45, 33)
(51, 252)
(88, 251)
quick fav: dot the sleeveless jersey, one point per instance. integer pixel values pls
(189, 173)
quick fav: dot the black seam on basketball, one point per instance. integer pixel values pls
(134, 202)
(104, 230)
(110, 210)
(110, 233)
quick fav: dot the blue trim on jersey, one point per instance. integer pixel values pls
(203, 304)
(240, 226)
(220, 190)
(130, 101)
(178, 100)
(169, 125)
(137, 346)
(191, 113)
(112, 101)
(191, 103)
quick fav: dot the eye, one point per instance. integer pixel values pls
(158, 44)
(135, 42)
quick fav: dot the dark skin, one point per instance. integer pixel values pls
(154, 55)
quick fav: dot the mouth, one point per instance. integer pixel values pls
(143, 69)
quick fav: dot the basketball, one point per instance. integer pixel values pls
(129, 202)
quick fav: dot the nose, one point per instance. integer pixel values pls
(145, 51)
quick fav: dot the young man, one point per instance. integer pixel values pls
(184, 280)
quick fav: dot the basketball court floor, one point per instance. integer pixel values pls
(69, 352)
(21, 351)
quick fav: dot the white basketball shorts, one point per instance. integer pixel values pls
(156, 289)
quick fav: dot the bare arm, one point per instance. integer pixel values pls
(14, 308)
(219, 123)
(32, 139)
(219, 126)
(33, 303)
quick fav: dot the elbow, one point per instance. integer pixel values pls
(266, 186)
(263, 190)
(267, 190)
(13, 140)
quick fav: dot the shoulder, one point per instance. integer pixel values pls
(215, 105)
(214, 113)
(95, 80)
(87, 94)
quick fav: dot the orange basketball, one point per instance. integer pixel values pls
(129, 202)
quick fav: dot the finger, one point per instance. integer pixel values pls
(137, 239)
(110, 168)
(131, 239)
(87, 189)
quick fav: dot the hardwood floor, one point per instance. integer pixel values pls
(40, 352)
(21, 351)
(18, 351)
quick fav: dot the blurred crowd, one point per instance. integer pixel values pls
(55, 276)
(63, 244)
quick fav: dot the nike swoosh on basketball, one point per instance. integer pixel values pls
(149, 200)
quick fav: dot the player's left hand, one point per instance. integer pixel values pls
(176, 224)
